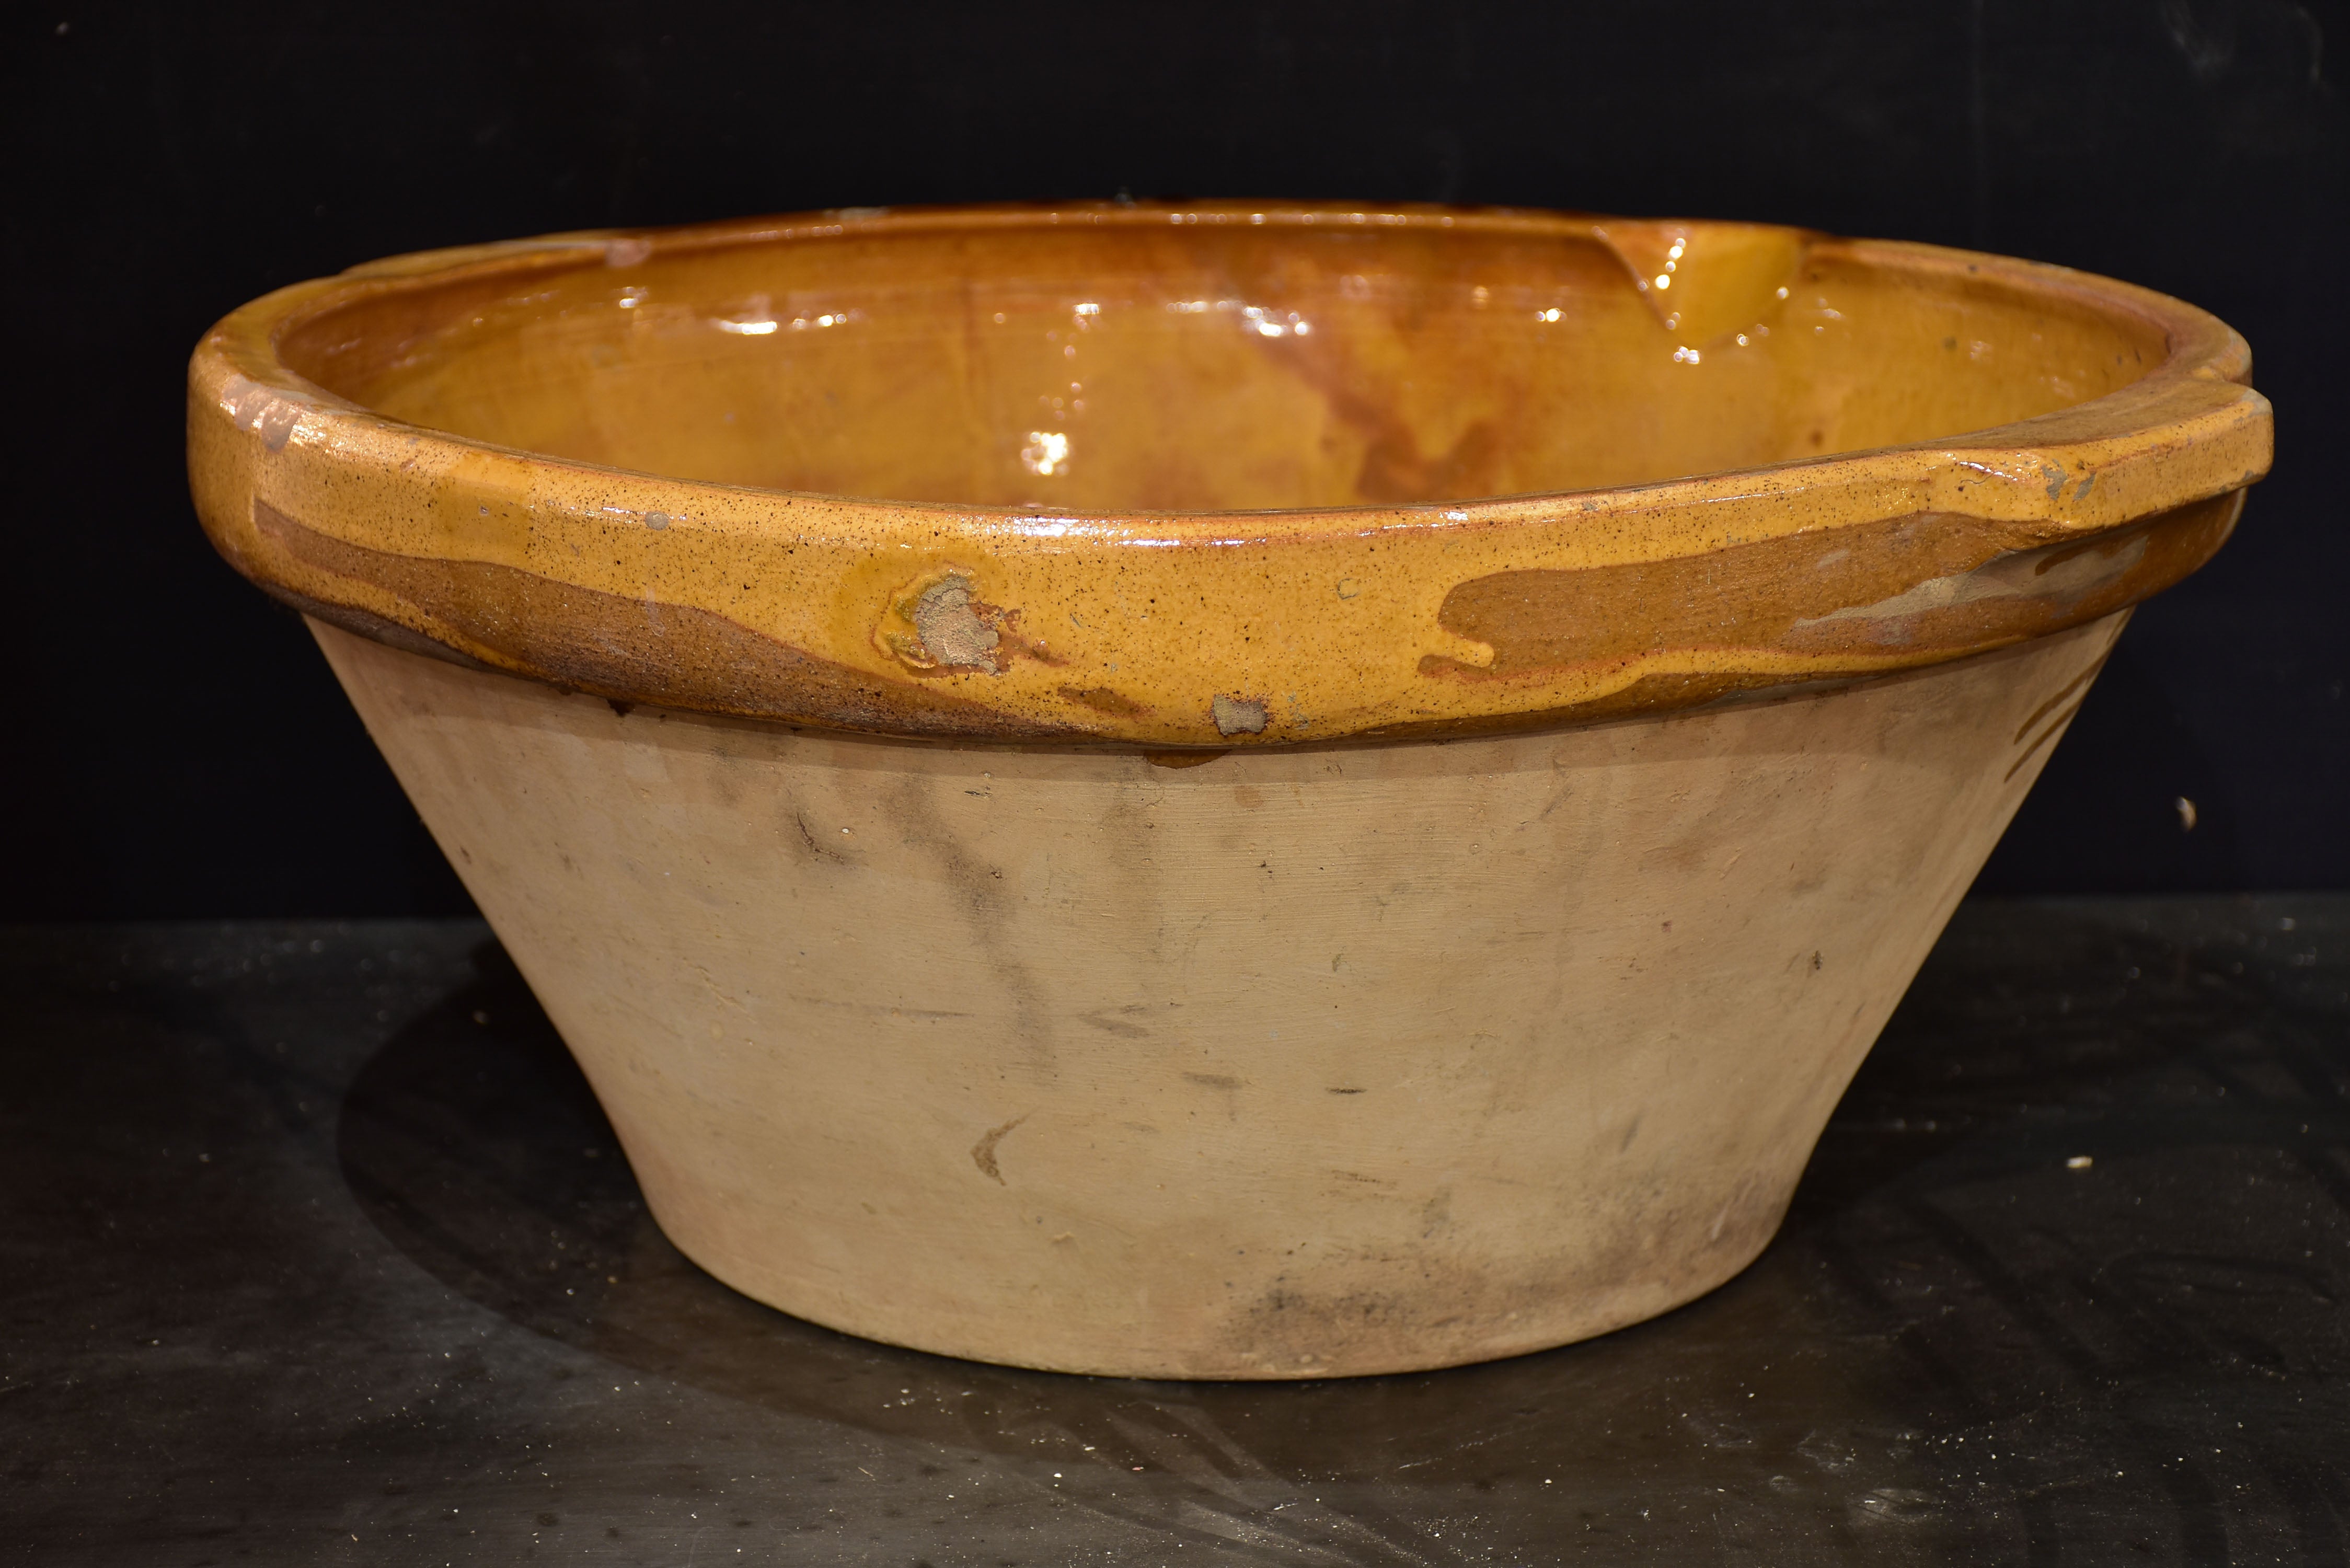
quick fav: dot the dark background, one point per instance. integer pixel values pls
(180, 748)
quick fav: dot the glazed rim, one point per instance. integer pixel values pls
(1210, 630)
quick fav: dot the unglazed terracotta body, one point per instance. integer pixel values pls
(1219, 792)
(1304, 1061)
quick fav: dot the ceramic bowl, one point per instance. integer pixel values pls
(1218, 790)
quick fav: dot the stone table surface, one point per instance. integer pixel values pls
(314, 1249)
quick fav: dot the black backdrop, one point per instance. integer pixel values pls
(178, 747)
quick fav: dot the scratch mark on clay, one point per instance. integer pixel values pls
(817, 848)
(877, 1009)
(987, 900)
(2055, 727)
(983, 1153)
(2071, 686)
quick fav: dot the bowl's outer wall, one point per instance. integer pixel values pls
(1303, 1061)
(1223, 630)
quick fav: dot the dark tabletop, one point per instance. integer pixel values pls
(314, 1248)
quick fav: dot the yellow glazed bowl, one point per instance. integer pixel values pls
(1222, 790)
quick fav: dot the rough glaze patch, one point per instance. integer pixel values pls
(1238, 715)
(948, 628)
(938, 623)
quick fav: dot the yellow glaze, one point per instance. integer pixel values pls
(1217, 475)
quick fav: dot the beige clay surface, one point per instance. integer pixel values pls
(1294, 1062)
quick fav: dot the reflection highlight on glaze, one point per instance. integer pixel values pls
(757, 317)
(1047, 452)
(1257, 318)
(1225, 373)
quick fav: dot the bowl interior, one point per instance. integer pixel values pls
(1168, 365)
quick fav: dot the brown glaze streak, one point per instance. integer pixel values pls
(1103, 700)
(1912, 589)
(1363, 395)
(1648, 503)
(674, 656)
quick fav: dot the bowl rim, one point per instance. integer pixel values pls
(268, 445)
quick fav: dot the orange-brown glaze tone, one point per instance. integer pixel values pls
(1215, 476)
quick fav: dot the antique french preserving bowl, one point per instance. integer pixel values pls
(1218, 790)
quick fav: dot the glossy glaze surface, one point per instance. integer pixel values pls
(1212, 368)
(1218, 475)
